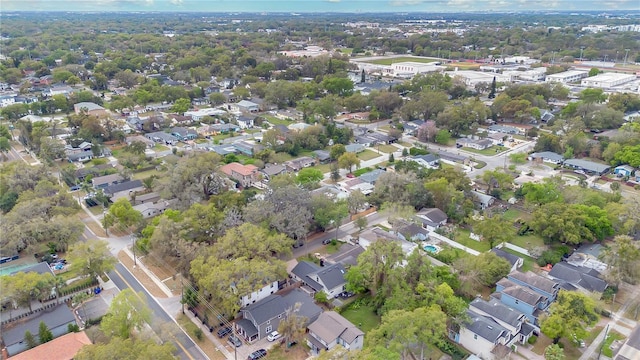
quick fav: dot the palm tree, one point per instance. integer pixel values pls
(58, 282)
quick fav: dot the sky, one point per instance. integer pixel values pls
(318, 5)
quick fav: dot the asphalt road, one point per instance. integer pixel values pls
(186, 349)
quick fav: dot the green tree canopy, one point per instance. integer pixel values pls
(569, 316)
(127, 312)
(91, 258)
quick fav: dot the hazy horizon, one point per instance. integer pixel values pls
(319, 6)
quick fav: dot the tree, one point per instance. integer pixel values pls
(348, 160)
(44, 334)
(492, 93)
(122, 214)
(559, 222)
(118, 348)
(292, 326)
(594, 72)
(494, 230)
(24, 288)
(518, 158)
(91, 258)
(478, 271)
(554, 352)
(194, 178)
(336, 151)
(356, 201)
(361, 222)
(593, 96)
(30, 340)
(442, 137)
(622, 257)
(569, 316)
(335, 172)
(128, 311)
(309, 176)
(181, 105)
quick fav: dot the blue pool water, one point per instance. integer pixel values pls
(430, 248)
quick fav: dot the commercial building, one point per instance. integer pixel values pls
(607, 80)
(567, 77)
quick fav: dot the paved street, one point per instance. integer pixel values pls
(186, 348)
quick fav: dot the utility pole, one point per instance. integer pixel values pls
(606, 331)
(626, 54)
(133, 248)
(581, 50)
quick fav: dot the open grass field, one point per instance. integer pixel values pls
(526, 241)
(387, 148)
(390, 61)
(463, 66)
(277, 121)
(489, 151)
(462, 237)
(368, 155)
(362, 316)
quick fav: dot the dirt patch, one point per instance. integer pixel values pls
(165, 273)
(142, 277)
(296, 352)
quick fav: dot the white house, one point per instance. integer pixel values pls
(7, 99)
(245, 106)
(547, 156)
(331, 330)
(258, 295)
(429, 161)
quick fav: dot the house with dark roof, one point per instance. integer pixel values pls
(588, 166)
(162, 138)
(515, 261)
(329, 279)
(322, 156)
(57, 320)
(271, 170)
(332, 329)
(410, 231)
(40, 268)
(431, 218)
(481, 334)
(101, 182)
(547, 156)
(482, 200)
(372, 176)
(82, 152)
(260, 319)
(527, 292)
(116, 191)
(184, 134)
(300, 163)
(429, 161)
(474, 144)
(573, 277)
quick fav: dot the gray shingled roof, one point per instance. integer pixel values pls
(112, 189)
(512, 259)
(523, 294)
(547, 155)
(497, 310)
(332, 276)
(274, 305)
(578, 277)
(434, 214)
(58, 316)
(535, 280)
(588, 165)
(40, 268)
(331, 325)
(485, 327)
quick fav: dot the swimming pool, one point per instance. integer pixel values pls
(431, 249)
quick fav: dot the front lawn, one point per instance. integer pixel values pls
(387, 148)
(489, 151)
(324, 168)
(361, 315)
(611, 337)
(362, 171)
(462, 237)
(526, 241)
(146, 174)
(368, 155)
(332, 248)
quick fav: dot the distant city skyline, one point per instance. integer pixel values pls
(306, 6)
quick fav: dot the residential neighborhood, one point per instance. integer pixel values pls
(309, 186)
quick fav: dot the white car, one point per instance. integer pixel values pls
(274, 336)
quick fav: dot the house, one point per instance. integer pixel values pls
(370, 236)
(514, 321)
(527, 292)
(630, 348)
(546, 116)
(224, 128)
(623, 170)
(259, 294)
(573, 277)
(411, 232)
(247, 148)
(333, 192)
(354, 148)
(497, 138)
(151, 197)
(40, 268)
(299, 126)
(331, 329)
(102, 182)
(260, 319)
(271, 170)
(57, 320)
(474, 144)
(429, 161)
(57, 90)
(547, 156)
(91, 109)
(329, 279)
(151, 209)
(322, 156)
(245, 106)
(587, 256)
(114, 192)
(505, 129)
(347, 255)
(244, 122)
(197, 115)
(162, 138)
(184, 134)
(482, 334)
(482, 200)
(432, 218)
(372, 176)
(81, 153)
(588, 166)
(296, 165)
(63, 348)
(139, 138)
(245, 175)
(452, 158)
(515, 261)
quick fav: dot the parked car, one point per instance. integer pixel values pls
(274, 336)
(326, 241)
(222, 332)
(235, 341)
(75, 188)
(260, 353)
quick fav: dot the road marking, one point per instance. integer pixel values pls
(144, 300)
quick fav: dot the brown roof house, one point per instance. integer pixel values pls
(65, 347)
(330, 330)
(245, 175)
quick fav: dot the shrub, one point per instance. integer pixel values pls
(198, 334)
(480, 164)
(532, 340)
(417, 151)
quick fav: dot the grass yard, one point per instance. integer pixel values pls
(277, 121)
(389, 61)
(220, 137)
(325, 168)
(528, 240)
(368, 155)
(361, 315)
(346, 50)
(158, 147)
(387, 148)
(489, 151)
(571, 351)
(280, 157)
(405, 144)
(296, 352)
(513, 214)
(462, 237)
(205, 344)
(611, 337)
(146, 174)
(362, 171)
(331, 248)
